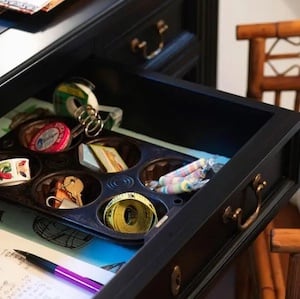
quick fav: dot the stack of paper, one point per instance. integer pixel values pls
(22, 280)
(30, 6)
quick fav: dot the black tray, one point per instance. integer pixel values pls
(145, 161)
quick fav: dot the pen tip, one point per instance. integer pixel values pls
(20, 251)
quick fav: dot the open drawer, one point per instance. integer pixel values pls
(198, 234)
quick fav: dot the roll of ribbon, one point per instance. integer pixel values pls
(130, 212)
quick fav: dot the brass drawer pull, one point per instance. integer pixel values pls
(236, 215)
(176, 280)
(137, 45)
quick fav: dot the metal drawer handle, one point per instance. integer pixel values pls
(137, 45)
(229, 214)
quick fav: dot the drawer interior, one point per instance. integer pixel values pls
(174, 113)
(173, 110)
(185, 114)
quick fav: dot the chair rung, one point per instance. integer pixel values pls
(285, 240)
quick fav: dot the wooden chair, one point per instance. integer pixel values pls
(288, 241)
(275, 254)
(264, 40)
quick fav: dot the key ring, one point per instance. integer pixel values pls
(90, 121)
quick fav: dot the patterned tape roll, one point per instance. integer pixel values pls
(187, 169)
(68, 96)
(197, 174)
(14, 171)
(175, 188)
(130, 212)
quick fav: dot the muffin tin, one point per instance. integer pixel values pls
(145, 162)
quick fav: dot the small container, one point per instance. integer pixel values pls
(51, 138)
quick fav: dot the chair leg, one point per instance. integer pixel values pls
(276, 267)
(293, 283)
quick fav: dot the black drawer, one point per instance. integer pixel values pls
(148, 38)
(195, 240)
(186, 251)
(178, 58)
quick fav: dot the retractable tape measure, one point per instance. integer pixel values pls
(130, 212)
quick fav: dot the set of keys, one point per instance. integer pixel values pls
(67, 194)
(74, 187)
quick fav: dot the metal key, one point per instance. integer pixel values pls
(74, 186)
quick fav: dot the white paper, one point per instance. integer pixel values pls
(20, 279)
(30, 5)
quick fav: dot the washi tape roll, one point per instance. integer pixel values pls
(130, 212)
(175, 188)
(197, 174)
(69, 96)
(187, 169)
(14, 171)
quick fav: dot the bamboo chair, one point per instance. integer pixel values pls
(274, 272)
(259, 82)
(288, 241)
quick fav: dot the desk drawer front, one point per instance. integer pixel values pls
(192, 269)
(149, 38)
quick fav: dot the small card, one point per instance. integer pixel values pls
(108, 157)
(87, 158)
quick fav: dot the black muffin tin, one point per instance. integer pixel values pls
(145, 162)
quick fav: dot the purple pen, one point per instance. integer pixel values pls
(61, 272)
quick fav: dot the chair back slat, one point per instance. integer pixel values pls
(267, 30)
(262, 56)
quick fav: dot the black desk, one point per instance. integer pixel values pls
(43, 42)
(52, 46)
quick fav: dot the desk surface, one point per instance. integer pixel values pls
(31, 37)
(39, 48)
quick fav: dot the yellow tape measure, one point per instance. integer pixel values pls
(130, 212)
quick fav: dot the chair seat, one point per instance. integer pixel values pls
(271, 268)
(288, 217)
